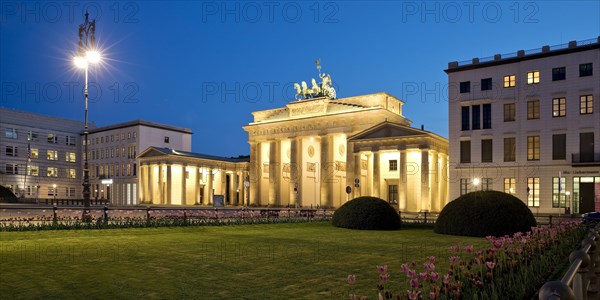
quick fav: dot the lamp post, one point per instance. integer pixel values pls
(568, 194)
(476, 182)
(54, 192)
(87, 54)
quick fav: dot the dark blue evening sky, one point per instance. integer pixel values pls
(208, 65)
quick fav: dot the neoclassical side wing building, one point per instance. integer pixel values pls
(309, 152)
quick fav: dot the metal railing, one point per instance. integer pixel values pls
(585, 158)
(582, 279)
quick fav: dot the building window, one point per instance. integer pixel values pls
(10, 133)
(533, 77)
(33, 170)
(128, 135)
(465, 118)
(393, 194)
(465, 151)
(510, 81)
(585, 70)
(533, 109)
(52, 155)
(134, 134)
(33, 136)
(70, 191)
(487, 116)
(52, 191)
(476, 117)
(12, 151)
(52, 172)
(34, 154)
(71, 173)
(559, 73)
(558, 192)
(52, 138)
(533, 147)
(510, 185)
(509, 112)
(486, 184)
(559, 107)
(586, 104)
(166, 139)
(71, 157)
(12, 169)
(112, 138)
(71, 140)
(559, 146)
(102, 139)
(465, 186)
(393, 165)
(486, 150)
(533, 191)
(509, 149)
(122, 136)
(486, 84)
(465, 87)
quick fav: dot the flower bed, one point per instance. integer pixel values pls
(71, 218)
(512, 267)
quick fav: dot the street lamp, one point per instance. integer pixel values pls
(54, 192)
(568, 194)
(476, 182)
(87, 55)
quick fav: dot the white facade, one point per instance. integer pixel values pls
(53, 146)
(529, 124)
(112, 156)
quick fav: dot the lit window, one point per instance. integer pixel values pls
(586, 104)
(510, 81)
(510, 185)
(33, 170)
(533, 77)
(52, 172)
(533, 191)
(559, 107)
(35, 153)
(71, 173)
(533, 147)
(71, 157)
(52, 155)
(465, 186)
(558, 192)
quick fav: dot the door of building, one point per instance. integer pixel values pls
(586, 197)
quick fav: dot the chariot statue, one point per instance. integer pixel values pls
(317, 90)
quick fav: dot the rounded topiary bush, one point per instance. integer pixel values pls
(485, 213)
(369, 213)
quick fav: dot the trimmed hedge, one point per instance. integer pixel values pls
(6, 193)
(485, 213)
(367, 213)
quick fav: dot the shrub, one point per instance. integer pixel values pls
(485, 213)
(6, 194)
(369, 213)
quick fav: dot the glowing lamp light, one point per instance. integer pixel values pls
(511, 190)
(80, 62)
(476, 181)
(93, 56)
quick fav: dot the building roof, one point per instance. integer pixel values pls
(24, 118)
(522, 55)
(168, 151)
(141, 123)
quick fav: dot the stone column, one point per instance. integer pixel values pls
(209, 187)
(435, 180)
(183, 185)
(169, 184)
(197, 185)
(326, 177)
(376, 174)
(232, 188)
(402, 188)
(357, 174)
(161, 186)
(274, 170)
(444, 181)
(255, 172)
(294, 173)
(425, 200)
(150, 198)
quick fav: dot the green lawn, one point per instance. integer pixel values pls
(275, 261)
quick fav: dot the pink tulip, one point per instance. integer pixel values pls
(382, 269)
(434, 276)
(490, 265)
(351, 279)
(414, 283)
(384, 277)
(446, 278)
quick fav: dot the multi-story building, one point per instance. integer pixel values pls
(40, 155)
(112, 156)
(528, 123)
